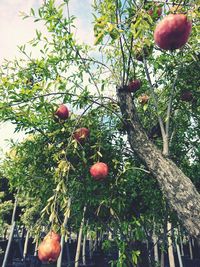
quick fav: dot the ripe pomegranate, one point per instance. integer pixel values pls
(186, 96)
(134, 85)
(143, 99)
(53, 235)
(99, 171)
(172, 32)
(81, 134)
(62, 112)
(49, 250)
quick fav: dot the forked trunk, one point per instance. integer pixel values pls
(180, 192)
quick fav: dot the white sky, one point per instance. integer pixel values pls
(15, 31)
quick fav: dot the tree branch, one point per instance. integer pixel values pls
(155, 100)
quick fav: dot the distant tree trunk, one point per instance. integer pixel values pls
(155, 246)
(181, 241)
(84, 247)
(164, 242)
(78, 249)
(170, 246)
(26, 244)
(62, 242)
(190, 249)
(178, 189)
(36, 248)
(11, 233)
(178, 252)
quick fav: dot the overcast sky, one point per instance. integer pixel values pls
(15, 31)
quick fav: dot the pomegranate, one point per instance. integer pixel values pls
(134, 85)
(99, 171)
(49, 250)
(172, 32)
(81, 134)
(186, 96)
(62, 112)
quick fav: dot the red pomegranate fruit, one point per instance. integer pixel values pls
(99, 171)
(62, 112)
(173, 31)
(49, 250)
(81, 134)
(134, 85)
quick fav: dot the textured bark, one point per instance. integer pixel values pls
(180, 192)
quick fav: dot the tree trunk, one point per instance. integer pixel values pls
(181, 241)
(179, 253)
(62, 242)
(26, 244)
(170, 245)
(78, 249)
(180, 192)
(155, 246)
(190, 249)
(84, 250)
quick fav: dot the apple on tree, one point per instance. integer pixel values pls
(99, 171)
(81, 134)
(62, 112)
(173, 31)
(49, 250)
(134, 85)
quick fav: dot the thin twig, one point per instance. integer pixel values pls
(169, 107)
(155, 100)
(130, 57)
(121, 45)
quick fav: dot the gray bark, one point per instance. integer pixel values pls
(180, 192)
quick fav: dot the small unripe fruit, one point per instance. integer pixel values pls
(81, 134)
(143, 99)
(157, 10)
(62, 112)
(99, 171)
(172, 32)
(134, 85)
